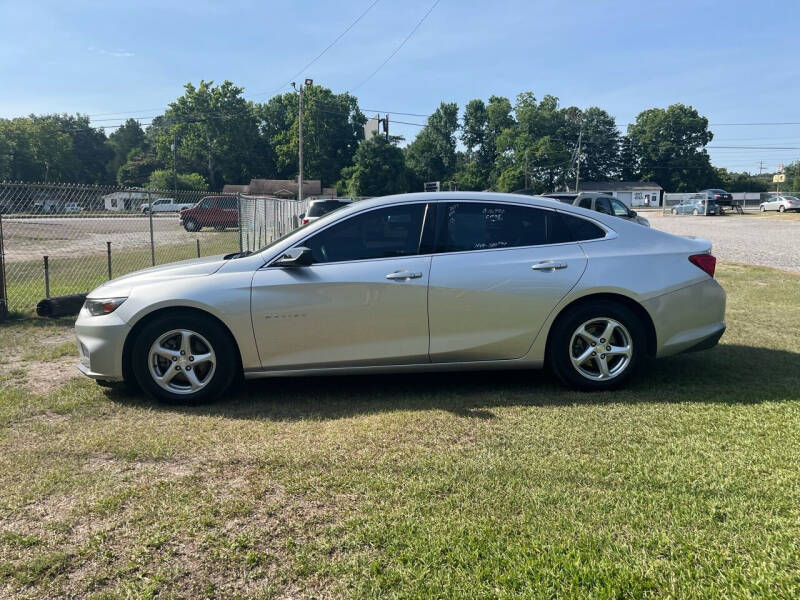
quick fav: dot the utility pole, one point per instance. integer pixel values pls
(760, 167)
(578, 160)
(308, 82)
(174, 160)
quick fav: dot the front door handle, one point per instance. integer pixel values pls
(403, 275)
(548, 265)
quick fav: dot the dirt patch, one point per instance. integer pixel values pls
(22, 367)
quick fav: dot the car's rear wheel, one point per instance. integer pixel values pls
(184, 359)
(190, 225)
(219, 227)
(781, 208)
(597, 346)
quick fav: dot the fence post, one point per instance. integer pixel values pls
(46, 276)
(198, 246)
(239, 206)
(150, 218)
(3, 296)
(108, 255)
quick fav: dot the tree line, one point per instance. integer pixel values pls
(211, 135)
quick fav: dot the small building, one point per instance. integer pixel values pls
(117, 201)
(280, 188)
(631, 193)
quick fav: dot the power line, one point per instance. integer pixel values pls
(396, 50)
(318, 56)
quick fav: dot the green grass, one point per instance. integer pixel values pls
(487, 485)
(25, 280)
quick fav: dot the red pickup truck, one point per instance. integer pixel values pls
(218, 212)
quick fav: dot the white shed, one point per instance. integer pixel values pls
(124, 200)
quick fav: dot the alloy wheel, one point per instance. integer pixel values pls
(601, 349)
(182, 361)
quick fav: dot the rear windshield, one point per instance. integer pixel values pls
(323, 208)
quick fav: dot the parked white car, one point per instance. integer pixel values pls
(415, 282)
(780, 203)
(72, 207)
(167, 205)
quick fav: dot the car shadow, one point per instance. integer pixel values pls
(731, 374)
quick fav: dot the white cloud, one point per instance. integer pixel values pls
(114, 53)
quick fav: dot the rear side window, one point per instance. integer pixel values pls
(581, 229)
(323, 208)
(586, 203)
(227, 203)
(484, 226)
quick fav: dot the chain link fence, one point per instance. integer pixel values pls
(68, 239)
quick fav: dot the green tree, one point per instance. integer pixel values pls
(129, 136)
(332, 128)
(379, 169)
(217, 131)
(600, 145)
(432, 155)
(137, 169)
(670, 148)
(162, 179)
(90, 149)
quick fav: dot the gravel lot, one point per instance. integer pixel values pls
(59, 237)
(751, 239)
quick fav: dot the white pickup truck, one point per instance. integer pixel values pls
(166, 205)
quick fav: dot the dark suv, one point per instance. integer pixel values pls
(719, 197)
(218, 212)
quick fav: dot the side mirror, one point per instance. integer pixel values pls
(302, 216)
(295, 257)
(632, 213)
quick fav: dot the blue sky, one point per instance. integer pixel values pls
(735, 62)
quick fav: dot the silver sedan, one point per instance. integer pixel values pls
(780, 203)
(418, 282)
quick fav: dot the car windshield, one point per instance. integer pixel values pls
(323, 208)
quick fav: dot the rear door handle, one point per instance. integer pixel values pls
(403, 275)
(548, 265)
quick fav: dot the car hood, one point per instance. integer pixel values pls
(196, 267)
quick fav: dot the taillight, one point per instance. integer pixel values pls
(305, 221)
(706, 262)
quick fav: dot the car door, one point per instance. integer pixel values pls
(498, 271)
(229, 211)
(362, 302)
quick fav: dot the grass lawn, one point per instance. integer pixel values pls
(500, 485)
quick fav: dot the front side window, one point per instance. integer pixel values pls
(485, 226)
(383, 233)
(207, 203)
(619, 208)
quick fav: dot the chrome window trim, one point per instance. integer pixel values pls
(610, 233)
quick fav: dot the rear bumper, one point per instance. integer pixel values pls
(691, 318)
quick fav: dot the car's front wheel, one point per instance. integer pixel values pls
(597, 346)
(763, 208)
(190, 225)
(674, 211)
(695, 212)
(184, 359)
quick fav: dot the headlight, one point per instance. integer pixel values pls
(102, 306)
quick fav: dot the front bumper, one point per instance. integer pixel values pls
(100, 344)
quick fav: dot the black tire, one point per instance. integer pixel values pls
(763, 208)
(190, 225)
(781, 208)
(226, 366)
(674, 211)
(566, 325)
(695, 212)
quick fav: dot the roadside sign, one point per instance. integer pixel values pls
(780, 168)
(779, 178)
